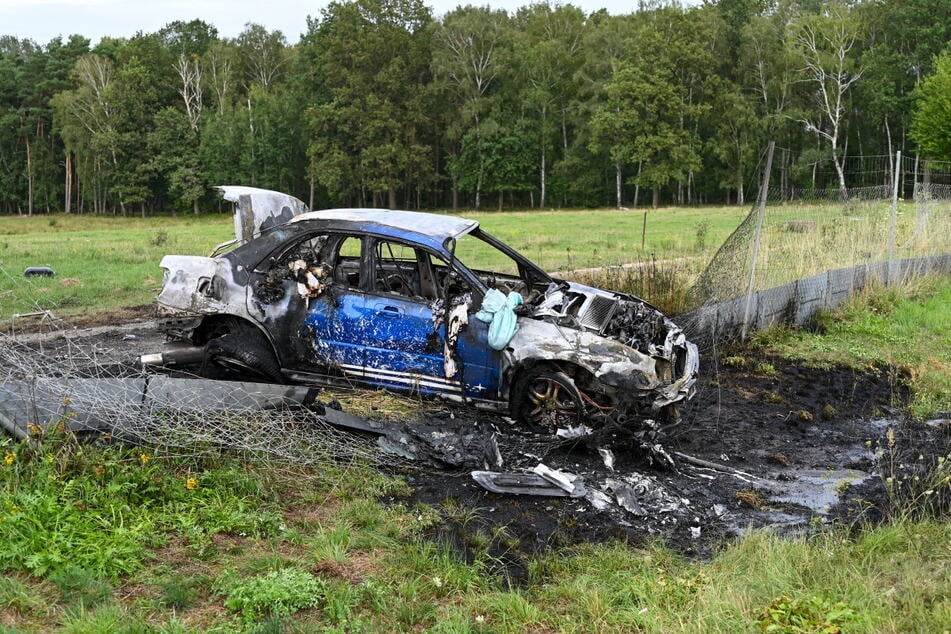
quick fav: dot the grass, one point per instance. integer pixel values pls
(104, 263)
(904, 328)
(106, 538)
(339, 561)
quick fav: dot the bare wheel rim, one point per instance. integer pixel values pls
(552, 401)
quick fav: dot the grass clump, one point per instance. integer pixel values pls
(275, 594)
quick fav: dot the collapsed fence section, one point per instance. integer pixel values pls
(801, 250)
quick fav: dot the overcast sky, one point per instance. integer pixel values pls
(41, 20)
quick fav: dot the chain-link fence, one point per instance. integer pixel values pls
(803, 249)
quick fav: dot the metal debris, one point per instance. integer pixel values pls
(530, 483)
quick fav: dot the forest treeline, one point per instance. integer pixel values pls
(382, 104)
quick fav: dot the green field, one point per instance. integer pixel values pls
(102, 263)
(111, 539)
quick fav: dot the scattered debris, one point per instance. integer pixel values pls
(546, 483)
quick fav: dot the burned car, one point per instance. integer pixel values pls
(403, 300)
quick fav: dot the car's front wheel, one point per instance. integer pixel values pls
(547, 400)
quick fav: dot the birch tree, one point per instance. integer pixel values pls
(825, 44)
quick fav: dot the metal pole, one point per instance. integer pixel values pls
(760, 212)
(891, 227)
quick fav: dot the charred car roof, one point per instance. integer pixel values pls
(434, 229)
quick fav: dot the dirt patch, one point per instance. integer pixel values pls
(68, 321)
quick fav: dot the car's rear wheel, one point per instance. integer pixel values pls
(547, 400)
(245, 354)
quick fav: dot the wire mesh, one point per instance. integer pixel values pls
(56, 375)
(816, 246)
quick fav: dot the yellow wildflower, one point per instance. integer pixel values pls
(9, 458)
(72, 414)
(67, 400)
(36, 430)
(191, 484)
(144, 459)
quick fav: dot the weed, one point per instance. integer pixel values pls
(332, 544)
(275, 594)
(772, 397)
(735, 361)
(764, 368)
(177, 591)
(703, 228)
(19, 597)
(811, 614)
(160, 238)
(829, 412)
(82, 587)
(110, 619)
(916, 488)
(804, 416)
(340, 602)
(751, 498)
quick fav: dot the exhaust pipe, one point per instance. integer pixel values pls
(179, 356)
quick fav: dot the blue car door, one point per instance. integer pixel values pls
(335, 319)
(406, 347)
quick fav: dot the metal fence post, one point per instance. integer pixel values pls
(894, 222)
(760, 212)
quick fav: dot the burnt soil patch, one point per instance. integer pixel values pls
(765, 442)
(791, 446)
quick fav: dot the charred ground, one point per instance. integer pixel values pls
(765, 442)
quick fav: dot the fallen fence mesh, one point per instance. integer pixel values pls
(58, 376)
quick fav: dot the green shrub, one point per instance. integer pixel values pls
(799, 616)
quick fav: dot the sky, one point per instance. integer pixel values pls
(42, 20)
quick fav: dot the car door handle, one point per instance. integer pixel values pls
(390, 312)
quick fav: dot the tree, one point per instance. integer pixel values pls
(471, 52)
(263, 54)
(931, 120)
(86, 120)
(653, 102)
(824, 43)
(173, 148)
(547, 56)
(367, 128)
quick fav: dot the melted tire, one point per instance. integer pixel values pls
(243, 355)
